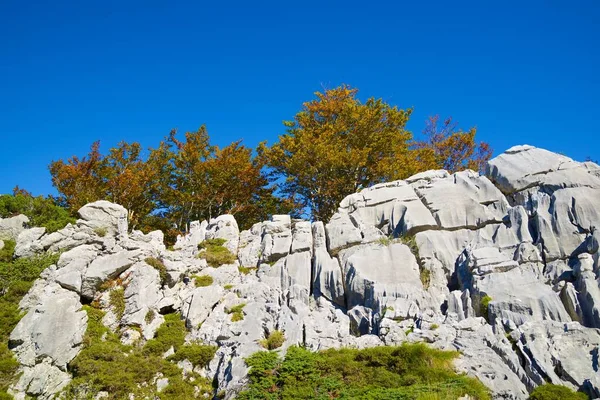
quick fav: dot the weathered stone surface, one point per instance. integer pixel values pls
(104, 214)
(401, 261)
(10, 228)
(106, 267)
(28, 244)
(35, 337)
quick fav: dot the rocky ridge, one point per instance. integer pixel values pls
(503, 267)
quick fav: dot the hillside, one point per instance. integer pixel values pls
(502, 268)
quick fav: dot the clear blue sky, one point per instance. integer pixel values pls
(72, 72)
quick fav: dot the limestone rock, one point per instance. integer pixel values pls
(10, 228)
(103, 214)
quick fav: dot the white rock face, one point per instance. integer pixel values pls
(11, 228)
(401, 261)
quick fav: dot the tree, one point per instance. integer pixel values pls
(122, 177)
(337, 145)
(454, 149)
(205, 181)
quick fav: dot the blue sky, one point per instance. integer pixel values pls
(79, 71)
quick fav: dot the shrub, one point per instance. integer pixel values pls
(215, 253)
(171, 333)
(6, 253)
(197, 354)
(202, 280)
(236, 312)
(159, 266)
(117, 301)
(410, 371)
(273, 341)
(42, 212)
(104, 364)
(555, 392)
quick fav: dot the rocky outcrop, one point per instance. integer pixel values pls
(503, 267)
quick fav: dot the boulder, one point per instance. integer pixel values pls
(10, 228)
(103, 214)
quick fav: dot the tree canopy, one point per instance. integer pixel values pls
(335, 145)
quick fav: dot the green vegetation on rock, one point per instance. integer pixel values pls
(555, 392)
(159, 266)
(104, 364)
(236, 312)
(215, 253)
(16, 278)
(274, 341)
(41, 211)
(410, 371)
(202, 280)
(484, 305)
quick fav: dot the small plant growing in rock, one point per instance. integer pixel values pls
(159, 266)
(101, 231)
(117, 301)
(385, 240)
(433, 327)
(273, 341)
(215, 253)
(484, 305)
(228, 287)
(246, 270)
(236, 312)
(202, 280)
(149, 316)
(425, 276)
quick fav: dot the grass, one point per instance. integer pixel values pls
(16, 278)
(104, 364)
(484, 305)
(274, 341)
(425, 276)
(433, 327)
(149, 317)
(385, 240)
(228, 287)
(159, 266)
(410, 371)
(202, 280)
(215, 253)
(236, 312)
(101, 231)
(117, 301)
(246, 270)
(555, 392)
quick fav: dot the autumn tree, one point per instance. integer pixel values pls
(337, 145)
(205, 181)
(121, 177)
(454, 149)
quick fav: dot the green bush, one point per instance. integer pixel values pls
(6, 253)
(410, 371)
(104, 364)
(555, 392)
(43, 212)
(101, 231)
(171, 333)
(215, 253)
(159, 266)
(197, 354)
(202, 280)
(425, 276)
(149, 317)
(274, 341)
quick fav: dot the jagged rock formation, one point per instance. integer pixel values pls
(503, 267)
